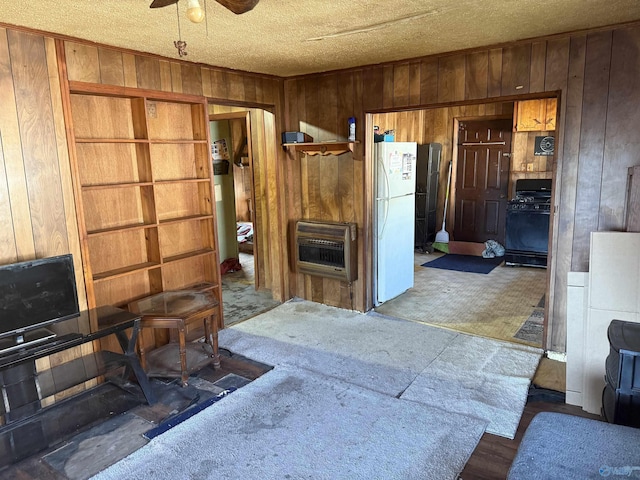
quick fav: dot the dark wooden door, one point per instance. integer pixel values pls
(482, 178)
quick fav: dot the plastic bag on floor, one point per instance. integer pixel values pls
(492, 249)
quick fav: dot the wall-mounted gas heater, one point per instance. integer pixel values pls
(327, 249)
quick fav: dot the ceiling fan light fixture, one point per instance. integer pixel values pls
(195, 12)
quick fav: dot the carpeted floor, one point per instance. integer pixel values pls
(395, 357)
(496, 305)
(351, 396)
(293, 423)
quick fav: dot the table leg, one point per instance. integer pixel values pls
(128, 345)
(143, 360)
(184, 376)
(211, 336)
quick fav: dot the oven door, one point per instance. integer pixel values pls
(527, 231)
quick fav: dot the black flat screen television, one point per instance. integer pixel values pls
(34, 294)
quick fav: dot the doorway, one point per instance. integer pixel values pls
(482, 180)
(509, 302)
(243, 294)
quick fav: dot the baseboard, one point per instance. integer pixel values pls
(574, 398)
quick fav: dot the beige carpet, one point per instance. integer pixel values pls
(495, 305)
(479, 377)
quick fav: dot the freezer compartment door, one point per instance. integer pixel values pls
(395, 233)
(396, 169)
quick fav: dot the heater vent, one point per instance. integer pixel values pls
(327, 250)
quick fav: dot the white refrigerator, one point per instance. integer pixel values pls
(395, 180)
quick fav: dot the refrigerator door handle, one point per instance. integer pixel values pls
(385, 198)
(386, 213)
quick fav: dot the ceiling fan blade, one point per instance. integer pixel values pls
(237, 6)
(162, 3)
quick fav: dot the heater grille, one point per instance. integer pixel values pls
(327, 250)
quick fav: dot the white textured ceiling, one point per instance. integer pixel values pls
(290, 37)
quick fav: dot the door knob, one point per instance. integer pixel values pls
(502, 195)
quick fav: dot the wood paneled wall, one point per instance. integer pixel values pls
(37, 210)
(595, 75)
(102, 65)
(326, 188)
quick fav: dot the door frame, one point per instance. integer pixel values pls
(246, 115)
(552, 259)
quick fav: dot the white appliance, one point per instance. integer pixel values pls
(394, 218)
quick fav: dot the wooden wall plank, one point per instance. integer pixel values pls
(260, 90)
(148, 72)
(556, 68)
(206, 81)
(261, 192)
(476, 75)
(565, 183)
(12, 152)
(111, 68)
(8, 248)
(592, 137)
(494, 82)
(387, 86)
(165, 76)
(373, 88)
(414, 83)
(429, 81)
(176, 77)
(328, 109)
(65, 170)
(401, 85)
(277, 250)
(293, 175)
(358, 291)
(82, 62)
(236, 87)
(516, 65)
(538, 70)
(219, 84)
(345, 106)
(312, 108)
(191, 79)
(622, 144)
(35, 118)
(249, 88)
(451, 78)
(129, 70)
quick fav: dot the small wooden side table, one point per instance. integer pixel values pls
(178, 309)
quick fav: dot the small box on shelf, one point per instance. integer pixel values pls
(296, 137)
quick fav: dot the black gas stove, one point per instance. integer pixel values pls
(527, 224)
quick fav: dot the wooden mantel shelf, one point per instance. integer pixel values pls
(322, 148)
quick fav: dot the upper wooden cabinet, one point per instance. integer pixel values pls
(536, 115)
(144, 185)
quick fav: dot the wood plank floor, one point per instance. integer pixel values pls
(492, 457)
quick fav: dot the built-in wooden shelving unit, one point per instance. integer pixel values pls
(144, 187)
